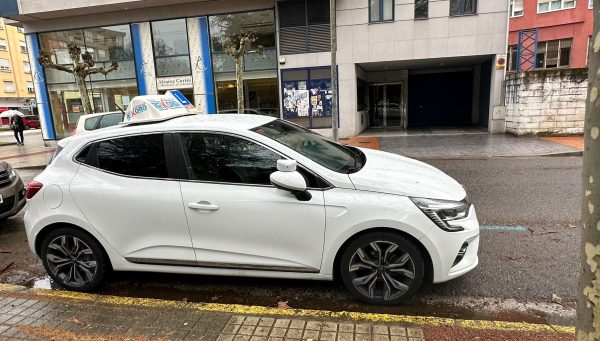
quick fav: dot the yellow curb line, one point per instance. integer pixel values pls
(258, 310)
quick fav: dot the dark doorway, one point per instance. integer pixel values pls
(440, 99)
(386, 107)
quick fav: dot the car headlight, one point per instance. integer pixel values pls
(12, 175)
(441, 212)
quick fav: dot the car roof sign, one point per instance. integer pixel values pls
(154, 108)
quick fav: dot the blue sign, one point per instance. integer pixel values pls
(180, 97)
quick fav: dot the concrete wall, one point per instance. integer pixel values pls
(548, 102)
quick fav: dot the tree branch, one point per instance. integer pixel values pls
(102, 70)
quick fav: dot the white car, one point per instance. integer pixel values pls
(90, 122)
(247, 195)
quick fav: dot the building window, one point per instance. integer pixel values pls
(307, 96)
(9, 86)
(30, 87)
(512, 58)
(553, 54)
(4, 65)
(463, 7)
(303, 26)
(381, 10)
(516, 8)
(421, 9)
(171, 50)
(105, 44)
(3, 44)
(261, 92)
(554, 5)
(23, 47)
(590, 4)
(26, 67)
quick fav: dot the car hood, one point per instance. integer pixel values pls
(390, 173)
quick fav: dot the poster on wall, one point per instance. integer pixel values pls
(296, 102)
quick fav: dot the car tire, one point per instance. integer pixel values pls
(382, 268)
(74, 260)
(27, 127)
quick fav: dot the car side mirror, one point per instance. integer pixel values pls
(289, 179)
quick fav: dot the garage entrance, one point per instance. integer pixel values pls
(429, 93)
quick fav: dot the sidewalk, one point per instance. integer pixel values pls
(40, 314)
(32, 155)
(466, 146)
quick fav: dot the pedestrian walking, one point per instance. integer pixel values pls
(16, 124)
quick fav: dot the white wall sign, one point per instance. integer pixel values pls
(174, 83)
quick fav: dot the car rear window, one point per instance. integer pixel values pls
(110, 120)
(141, 155)
(90, 123)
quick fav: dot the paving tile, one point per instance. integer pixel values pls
(415, 332)
(328, 336)
(262, 331)
(223, 337)
(363, 329)
(266, 322)
(380, 337)
(398, 338)
(345, 337)
(282, 323)
(346, 328)
(329, 326)
(236, 319)
(231, 329)
(362, 337)
(381, 329)
(297, 324)
(279, 332)
(310, 334)
(397, 330)
(251, 320)
(246, 330)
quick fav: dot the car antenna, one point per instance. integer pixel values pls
(120, 109)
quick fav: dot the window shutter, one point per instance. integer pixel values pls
(318, 26)
(292, 26)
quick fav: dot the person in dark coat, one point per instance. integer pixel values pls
(17, 125)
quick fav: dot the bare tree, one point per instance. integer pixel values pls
(83, 66)
(237, 46)
(588, 296)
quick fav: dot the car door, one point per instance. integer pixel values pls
(237, 219)
(125, 190)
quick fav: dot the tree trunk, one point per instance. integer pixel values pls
(239, 82)
(83, 92)
(588, 296)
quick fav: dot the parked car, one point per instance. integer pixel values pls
(31, 122)
(91, 122)
(247, 195)
(12, 191)
(273, 112)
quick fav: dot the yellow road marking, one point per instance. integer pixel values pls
(309, 313)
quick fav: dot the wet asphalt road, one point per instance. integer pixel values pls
(533, 267)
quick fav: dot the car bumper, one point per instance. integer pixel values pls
(13, 198)
(453, 254)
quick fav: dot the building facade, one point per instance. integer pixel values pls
(401, 64)
(546, 81)
(16, 82)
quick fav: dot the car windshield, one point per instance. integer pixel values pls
(321, 150)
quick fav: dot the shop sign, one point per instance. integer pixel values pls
(173, 83)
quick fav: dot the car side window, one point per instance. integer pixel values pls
(90, 123)
(110, 120)
(226, 158)
(141, 155)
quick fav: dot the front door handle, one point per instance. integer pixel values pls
(203, 205)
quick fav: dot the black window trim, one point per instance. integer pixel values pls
(91, 159)
(185, 177)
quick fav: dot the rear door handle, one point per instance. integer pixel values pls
(203, 205)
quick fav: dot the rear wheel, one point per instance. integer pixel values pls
(382, 268)
(27, 127)
(73, 259)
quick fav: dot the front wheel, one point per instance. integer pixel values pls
(73, 259)
(382, 268)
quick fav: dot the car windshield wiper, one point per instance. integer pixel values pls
(357, 155)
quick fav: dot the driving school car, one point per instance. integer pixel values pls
(245, 195)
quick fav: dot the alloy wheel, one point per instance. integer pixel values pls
(381, 270)
(71, 261)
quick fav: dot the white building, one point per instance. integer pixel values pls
(400, 65)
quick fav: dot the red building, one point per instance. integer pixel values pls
(564, 28)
